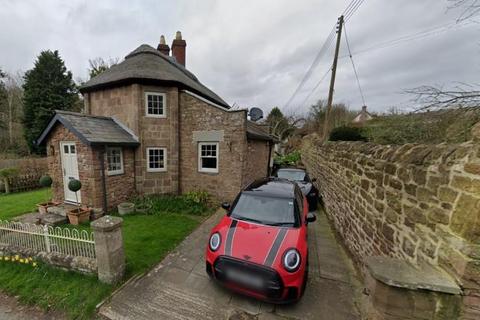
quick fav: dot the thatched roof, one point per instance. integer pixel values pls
(147, 65)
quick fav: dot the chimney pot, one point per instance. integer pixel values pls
(179, 48)
(163, 46)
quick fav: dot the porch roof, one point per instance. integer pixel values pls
(92, 130)
(257, 132)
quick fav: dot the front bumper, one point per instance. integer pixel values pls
(272, 290)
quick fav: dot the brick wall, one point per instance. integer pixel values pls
(119, 187)
(257, 161)
(196, 115)
(412, 202)
(85, 159)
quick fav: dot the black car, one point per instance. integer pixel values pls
(301, 177)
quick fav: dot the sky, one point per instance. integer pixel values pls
(255, 53)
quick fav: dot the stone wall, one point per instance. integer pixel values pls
(197, 115)
(256, 165)
(127, 104)
(419, 203)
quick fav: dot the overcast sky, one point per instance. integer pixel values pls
(254, 53)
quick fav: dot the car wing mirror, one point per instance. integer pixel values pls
(311, 217)
(226, 205)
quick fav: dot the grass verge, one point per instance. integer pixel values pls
(147, 240)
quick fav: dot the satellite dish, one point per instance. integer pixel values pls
(255, 114)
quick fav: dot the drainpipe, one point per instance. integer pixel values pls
(269, 157)
(101, 157)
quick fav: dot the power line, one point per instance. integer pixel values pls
(354, 68)
(316, 86)
(349, 10)
(353, 10)
(315, 62)
(415, 36)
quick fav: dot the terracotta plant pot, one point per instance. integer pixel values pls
(125, 208)
(42, 207)
(79, 215)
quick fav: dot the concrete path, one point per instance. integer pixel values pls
(179, 288)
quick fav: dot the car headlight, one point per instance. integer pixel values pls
(291, 260)
(215, 241)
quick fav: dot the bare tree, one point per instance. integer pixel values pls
(437, 97)
(470, 8)
(99, 65)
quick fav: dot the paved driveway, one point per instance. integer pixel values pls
(179, 288)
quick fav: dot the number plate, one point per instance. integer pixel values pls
(245, 279)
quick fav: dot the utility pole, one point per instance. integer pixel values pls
(332, 80)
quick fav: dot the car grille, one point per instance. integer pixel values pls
(272, 286)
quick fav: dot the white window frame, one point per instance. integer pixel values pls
(119, 171)
(164, 159)
(208, 170)
(164, 97)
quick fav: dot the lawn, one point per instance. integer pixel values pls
(147, 239)
(14, 204)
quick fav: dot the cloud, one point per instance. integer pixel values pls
(253, 53)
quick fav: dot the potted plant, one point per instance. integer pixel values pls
(78, 215)
(46, 182)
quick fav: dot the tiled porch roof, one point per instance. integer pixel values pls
(92, 130)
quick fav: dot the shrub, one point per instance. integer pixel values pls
(290, 159)
(195, 203)
(345, 133)
(199, 197)
(46, 181)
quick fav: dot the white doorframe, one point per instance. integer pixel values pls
(68, 156)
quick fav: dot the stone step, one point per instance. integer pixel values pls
(51, 219)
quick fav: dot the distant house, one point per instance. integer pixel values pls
(151, 127)
(362, 117)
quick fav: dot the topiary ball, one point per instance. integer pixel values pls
(46, 181)
(74, 185)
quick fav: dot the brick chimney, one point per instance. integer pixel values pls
(178, 48)
(163, 47)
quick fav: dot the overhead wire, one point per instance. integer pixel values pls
(315, 62)
(353, 65)
(415, 36)
(348, 12)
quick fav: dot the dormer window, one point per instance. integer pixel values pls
(155, 104)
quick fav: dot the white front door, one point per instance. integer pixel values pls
(70, 169)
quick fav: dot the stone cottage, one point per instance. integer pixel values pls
(149, 126)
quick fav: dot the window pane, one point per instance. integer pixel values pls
(65, 149)
(265, 209)
(72, 149)
(209, 163)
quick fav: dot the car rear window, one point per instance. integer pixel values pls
(292, 175)
(266, 210)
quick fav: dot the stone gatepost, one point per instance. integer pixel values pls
(107, 232)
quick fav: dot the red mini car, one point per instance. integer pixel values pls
(260, 248)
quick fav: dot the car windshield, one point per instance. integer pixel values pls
(265, 210)
(293, 175)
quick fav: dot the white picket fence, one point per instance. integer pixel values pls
(40, 238)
